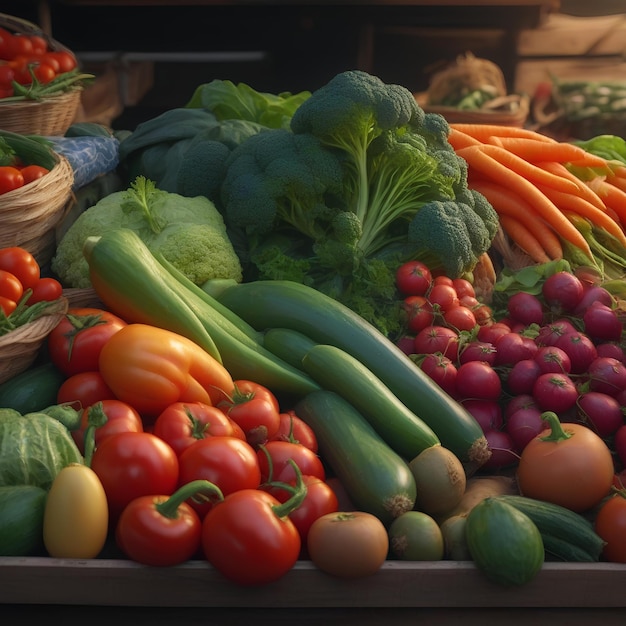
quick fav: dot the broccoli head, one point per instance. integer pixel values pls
(448, 235)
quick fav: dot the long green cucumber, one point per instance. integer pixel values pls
(336, 370)
(132, 283)
(559, 549)
(290, 345)
(376, 478)
(271, 304)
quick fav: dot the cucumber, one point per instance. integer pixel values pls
(504, 543)
(21, 520)
(554, 520)
(336, 370)
(32, 390)
(277, 303)
(561, 550)
(288, 345)
(377, 479)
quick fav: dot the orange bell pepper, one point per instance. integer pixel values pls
(150, 368)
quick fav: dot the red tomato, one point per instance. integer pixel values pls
(131, 465)
(463, 288)
(76, 342)
(10, 286)
(7, 75)
(460, 318)
(160, 531)
(275, 456)
(442, 339)
(33, 172)
(7, 306)
(66, 60)
(44, 73)
(10, 178)
(227, 462)
(248, 539)
(413, 278)
(443, 296)
(419, 312)
(248, 389)
(19, 45)
(184, 423)
(610, 524)
(21, 263)
(293, 428)
(39, 44)
(84, 389)
(120, 418)
(258, 417)
(320, 499)
(46, 289)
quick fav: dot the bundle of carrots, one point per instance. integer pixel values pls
(545, 208)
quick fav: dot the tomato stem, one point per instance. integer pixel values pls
(557, 433)
(197, 489)
(96, 417)
(298, 493)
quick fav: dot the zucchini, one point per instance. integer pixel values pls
(554, 520)
(377, 479)
(504, 543)
(132, 283)
(21, 520)
(336, 370)
(278, 303)
(32, 390)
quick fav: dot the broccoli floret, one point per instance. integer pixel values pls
(189, 232)
(449, 236)
(483, 208)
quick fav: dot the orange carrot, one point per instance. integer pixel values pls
(586, 190)
(508, 204)
(524, 239)
(617, 181)
(483, 132)
(476, 157)
(522, 167)
(614, 198)
(534, 150)
(459, 139)
(576, 204)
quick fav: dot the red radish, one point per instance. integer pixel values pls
(478, 351)
(512, 348)
(522, 376)
(592, 295)
(602, 323)
(523, 425)
(522, 401)
(491, 332)
(580, 349)
(607, 375)
(406, 343)
(550, 333)
(477, 379)
(555, 392)
(562, 292)
(611, 349)
(525, 308)
(553, 359)
(601, 411)
(502, 450)
(488, 413)
(620, 444)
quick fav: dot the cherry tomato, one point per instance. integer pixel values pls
(248, 539)
(463, 287)
(66, 60)
(131, 465)
(121, 417)
(77, 340)
(84, 389)
(33, 172)
(227, 462)
(443, 296)
(44, 73)
(20, 45)
(159, 530)
(46, 289)
(419, 312)
(274, 457)
(610, 524)
(39, 45)
(293, 428)
(183, 423)
(21, 263)
(414, 278)
(460, 318)
(7, 75)
(8, 306)
(442, 339)
(10, 178)
(10, 286)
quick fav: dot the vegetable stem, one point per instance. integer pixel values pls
(557, 432)
(201, 490)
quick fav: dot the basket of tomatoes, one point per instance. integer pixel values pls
(31, 306)
(40, 81)
(35, 193)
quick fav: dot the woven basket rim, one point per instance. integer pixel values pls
(55, 98)
(35, 331)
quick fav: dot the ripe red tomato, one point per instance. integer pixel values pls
(21, 263)
(248, 389)
(7, 75)
(413, 278)
(460, 318)
(183, 423)
(258, 417)
(443, 296)
(275, 456)
(419, 312)
(463, 288)
(248, 539)
(46, 289)
(33, 172)
(131, 465)
(44, 73)
(440, 339)
(441, 370)
(121, 417)
(227, 462)
(76, 342)
(10, 286)
(84, 389)
(66, 60)
(39, 44)
(19, 45)
(7, 306)
(293, 428)
(610, 524)
(10, 178)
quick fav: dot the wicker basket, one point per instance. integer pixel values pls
(51, 116)
(29, 214)
(20, 347)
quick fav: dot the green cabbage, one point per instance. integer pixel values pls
(33, 449)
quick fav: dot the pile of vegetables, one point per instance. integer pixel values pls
(225, 398)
